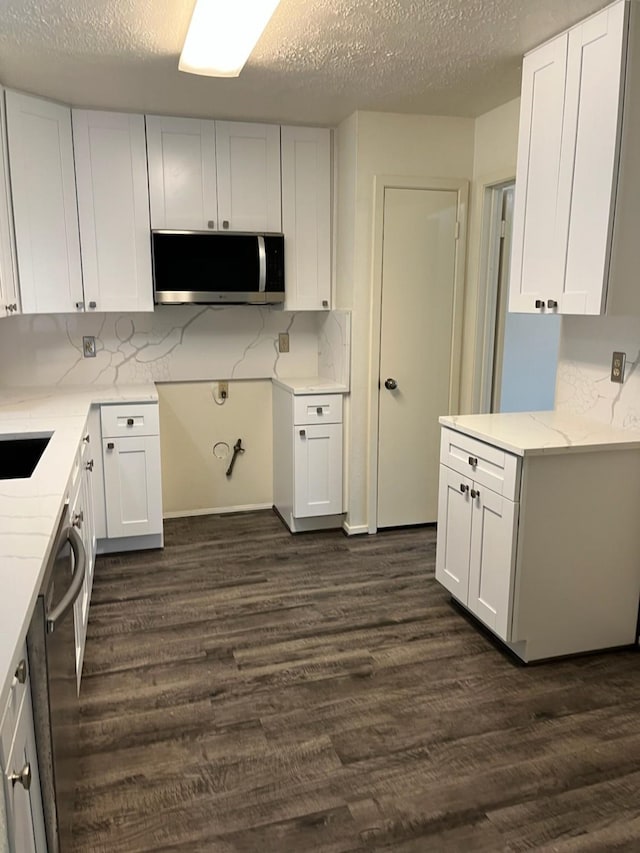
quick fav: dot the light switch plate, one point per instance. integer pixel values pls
(618, 361)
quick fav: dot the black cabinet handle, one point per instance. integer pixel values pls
(473, 461)
(303, 432)
(551, 303)
(110, 445)
(539, 303)
(129, 421)
(463, 488)
(475, 493)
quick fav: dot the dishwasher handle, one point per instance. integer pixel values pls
(80, 565)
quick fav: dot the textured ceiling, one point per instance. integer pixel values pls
(316, 62)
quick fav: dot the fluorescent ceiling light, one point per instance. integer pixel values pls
(222, 34)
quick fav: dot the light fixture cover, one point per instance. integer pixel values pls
(222, 34)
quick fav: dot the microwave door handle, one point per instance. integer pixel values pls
(262, 261)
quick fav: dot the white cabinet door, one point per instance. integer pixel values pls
(454, 532)
(25, 821)
(132, 486)
(44, 204)
(9, 300)
(317, 470)
(248, 164)
(535, 263)
(306, 217)
(588, 167)
(491, 567)
(182, 173)
(113, 206)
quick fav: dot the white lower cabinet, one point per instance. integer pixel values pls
(476, 548)
(524, 543)
(25, 820)
(307, 458)
(131, 461)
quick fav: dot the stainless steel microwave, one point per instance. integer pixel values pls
(213, 267)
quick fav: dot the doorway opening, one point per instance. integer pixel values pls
(520, 352)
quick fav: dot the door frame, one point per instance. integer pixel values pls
(380, 184)
(491, 195)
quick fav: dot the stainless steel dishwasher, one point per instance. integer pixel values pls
(52, 660)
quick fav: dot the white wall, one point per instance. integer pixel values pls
(370, 144)
(530, 362)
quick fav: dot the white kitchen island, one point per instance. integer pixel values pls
(539, 529)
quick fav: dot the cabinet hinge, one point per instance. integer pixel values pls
(457, 231)
(503, 229)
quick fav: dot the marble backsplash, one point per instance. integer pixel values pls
(583, 384)
(173, 344)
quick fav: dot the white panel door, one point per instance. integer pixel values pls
(492, 563)
(132, 486)
(9, 299)
(248, 164)
(306, 217)
(535, 263)
(454, 532)
(182, 173)
(44, 204)
(588, 168)
(318, 470)
(113, 208)
(416, 349)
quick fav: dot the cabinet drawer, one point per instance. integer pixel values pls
(317, 409)
(130, 419)
(485, 464)
(9, 716)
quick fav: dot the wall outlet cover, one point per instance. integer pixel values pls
(283, 342)
(618, 361)
(89, 346)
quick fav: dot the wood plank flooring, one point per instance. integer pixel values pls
(248, 690)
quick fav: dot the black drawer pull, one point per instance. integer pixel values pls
(129, 421)
(473, 461)
(110, 445)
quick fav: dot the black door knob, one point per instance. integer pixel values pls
(390, 384)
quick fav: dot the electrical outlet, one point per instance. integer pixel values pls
(223, 390)
(618, 361)
(89, 346)
(283, 342)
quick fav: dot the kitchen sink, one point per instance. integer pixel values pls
(19, 455)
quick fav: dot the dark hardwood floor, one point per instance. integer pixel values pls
(248, 690)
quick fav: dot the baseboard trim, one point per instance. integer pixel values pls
(354, 529)
(215, 510)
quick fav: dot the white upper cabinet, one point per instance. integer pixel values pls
(113, 207)
(306, 217)
(44, 204)
(588, 167)
(571, 136)
(534, 273)
(248, 170)
(9, 300)
(182, 173)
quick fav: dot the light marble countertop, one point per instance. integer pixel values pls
(30, 508)
(311, 385)
(537, 433)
